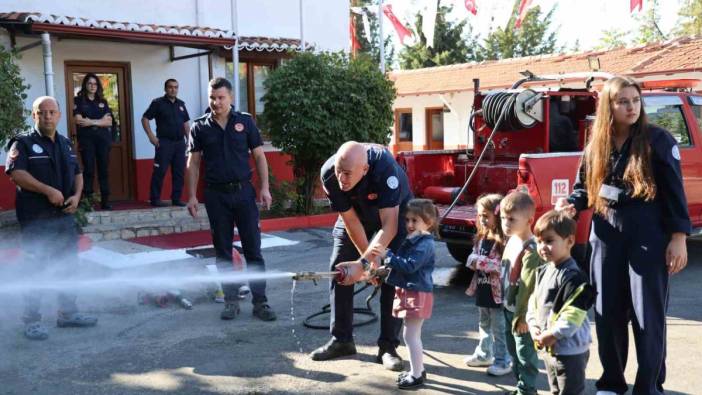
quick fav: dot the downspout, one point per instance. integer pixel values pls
(48, 68)
(199, 60)
(235, 56)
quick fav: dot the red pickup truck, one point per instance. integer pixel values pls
(542, 158)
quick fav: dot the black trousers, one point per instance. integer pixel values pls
(95, 148)
(629, 270)
(50, 251)
(341, 296)
(226, 209)
(168, 153)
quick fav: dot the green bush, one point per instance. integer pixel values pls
(13, 115)
(316, 102)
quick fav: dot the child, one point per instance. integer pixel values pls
(486, 261)
(557, 314)
(411, 267)
(520, 262)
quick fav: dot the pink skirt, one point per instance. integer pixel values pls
(412, 304)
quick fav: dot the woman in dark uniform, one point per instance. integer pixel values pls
(94, 122)
(630, 175)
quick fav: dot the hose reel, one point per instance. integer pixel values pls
(521, 112)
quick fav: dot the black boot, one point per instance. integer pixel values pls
(105, 204)
(333, 349)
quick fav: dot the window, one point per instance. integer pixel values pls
(667, 112)
(243, 96)
(696, 106)
(403, 125)
(251, 90)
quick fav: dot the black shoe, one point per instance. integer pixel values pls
(179, 203)
(35, 331)
(333, 349)
(231, 310)
(403, 374)
(390, 360)
(263, 312)
(409, 382)
(158, 203)
(105, 206)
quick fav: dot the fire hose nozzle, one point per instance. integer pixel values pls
(313, 276)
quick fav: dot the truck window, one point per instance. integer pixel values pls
(667, 112)
(696, 106)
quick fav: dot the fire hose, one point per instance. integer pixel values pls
(338, 276)
(504, 111)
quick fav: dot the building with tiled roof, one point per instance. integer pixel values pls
(134, 46)
(433, 104)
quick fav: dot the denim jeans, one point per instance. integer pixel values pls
(492, 336)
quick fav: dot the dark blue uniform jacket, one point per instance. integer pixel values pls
(53, 163)
(670, 195)
(384, 185)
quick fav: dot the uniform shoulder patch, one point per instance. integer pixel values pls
(675, 151)
(392, 182)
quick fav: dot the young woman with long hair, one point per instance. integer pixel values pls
(630, 175)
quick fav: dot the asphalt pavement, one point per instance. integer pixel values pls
(144, 349)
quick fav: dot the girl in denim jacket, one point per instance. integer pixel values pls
(410, 269)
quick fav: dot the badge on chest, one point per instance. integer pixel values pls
(610, 192)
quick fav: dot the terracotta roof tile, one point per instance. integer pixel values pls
(268, 44)
(680, 54)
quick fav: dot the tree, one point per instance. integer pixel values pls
(613, 38)
(372, 47)
(649, 30)
(690, 19)
(316, 102)
(453, 43)
(532, 38)
(12, 95)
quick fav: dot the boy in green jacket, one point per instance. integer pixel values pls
(520, 261)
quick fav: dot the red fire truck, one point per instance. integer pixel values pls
(537, 147)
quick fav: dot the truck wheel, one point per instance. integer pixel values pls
(459, 252)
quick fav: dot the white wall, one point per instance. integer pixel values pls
(455, 121)
(325, 21)
(150, 67)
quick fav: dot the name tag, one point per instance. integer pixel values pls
(610, 193)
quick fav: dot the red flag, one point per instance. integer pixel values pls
(355, 45)
(633, 4)
(524, 6)
(470, 6)
(401, 30)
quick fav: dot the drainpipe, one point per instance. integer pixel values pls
(48, 68)
(235, 56)
(199, 60)
(302, 28)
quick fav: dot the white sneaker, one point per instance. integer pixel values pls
(606, 393)
(499, 370)
(477, 361)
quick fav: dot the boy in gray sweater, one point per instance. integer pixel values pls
(557, 313)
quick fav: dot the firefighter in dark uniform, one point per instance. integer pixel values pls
(630, 174)
(93, 118)
(223, 139)
(49, 183)
(171, 130)
(370, 191)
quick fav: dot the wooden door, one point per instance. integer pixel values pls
(435, 128)
(115, 81)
